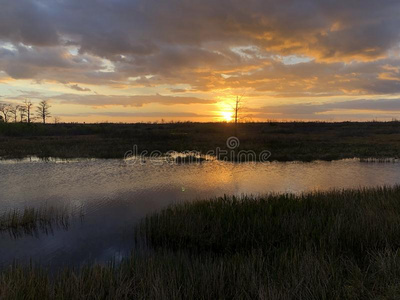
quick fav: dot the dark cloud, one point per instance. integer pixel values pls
(28, 22)
(206, 45)
(329, 29)
(54, 63)
(145, 27)
(79, 88)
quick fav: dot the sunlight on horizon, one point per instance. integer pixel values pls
(227, 116)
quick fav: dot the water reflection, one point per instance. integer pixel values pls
(35, 221)
(114, 196)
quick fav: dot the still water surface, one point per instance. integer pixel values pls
(113, 196)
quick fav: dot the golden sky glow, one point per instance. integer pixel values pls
(146, 60)
(226, 116)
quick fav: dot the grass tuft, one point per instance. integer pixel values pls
(31, 220)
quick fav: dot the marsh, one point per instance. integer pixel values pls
(113, 196)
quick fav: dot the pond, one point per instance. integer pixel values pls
(113, 195)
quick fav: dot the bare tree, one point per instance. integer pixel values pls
(28, 110)
(22, 113)
(5, 110)
(43, 110)
(14, 112)
(57, 119)
(237, 109)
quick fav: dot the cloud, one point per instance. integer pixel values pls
(139, 114)
(134, 101)
(143, 28)
(295, 48)
(21, 62)
(177, 90)
(28, 22)
(371, 106)
(79, 88)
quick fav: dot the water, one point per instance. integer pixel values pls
(113, 196)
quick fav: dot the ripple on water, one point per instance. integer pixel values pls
(115, 195)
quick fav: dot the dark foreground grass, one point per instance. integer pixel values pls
(350, 222)
(285, 141)
(290, 275)
(333, 245)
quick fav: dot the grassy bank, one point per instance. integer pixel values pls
(333, 245)
(286, 141)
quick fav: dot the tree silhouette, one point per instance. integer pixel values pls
(237, 111)
(22, 113)
(28, 105)
(14, 109)
(57, 119)
(5, 110)
(43, 110)
(237, 108)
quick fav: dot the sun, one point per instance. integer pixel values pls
(226, 116)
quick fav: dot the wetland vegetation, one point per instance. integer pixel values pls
(301, 141)
(30, 220)
(341, 244)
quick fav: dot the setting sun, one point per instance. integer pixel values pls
(226, 116)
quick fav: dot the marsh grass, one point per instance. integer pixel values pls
(179, 275)
(322, 245)
(33, 220)
(291, 141)
(350, 222)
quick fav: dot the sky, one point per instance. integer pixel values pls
(187, 60)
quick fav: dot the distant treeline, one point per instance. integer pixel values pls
(26, 112)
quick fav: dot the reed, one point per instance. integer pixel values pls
(30, 220)
(350, 222)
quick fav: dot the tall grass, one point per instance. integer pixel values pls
(177, 275)
(350, 222)
(330, 245)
